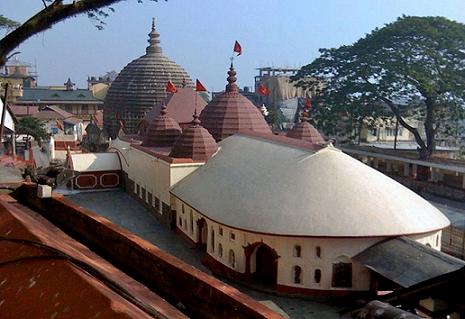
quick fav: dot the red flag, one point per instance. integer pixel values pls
(59, 125)
(199, 87)
(308, 103)
(263, 90)
(170, 87)
(237, 48)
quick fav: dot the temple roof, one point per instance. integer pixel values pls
(306, 131)
(195, 142)
(265, 185)
(180, 105)
(232, 112)
(140, 86)
(162, 131)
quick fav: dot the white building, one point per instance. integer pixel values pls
(291, 215)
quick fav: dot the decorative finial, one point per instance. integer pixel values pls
(304, 116)
(232, 86)
(163, 110)
(195, 121)
(153, 40)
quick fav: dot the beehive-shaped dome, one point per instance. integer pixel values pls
(162, 131)
(195, 142)
(232, 112)
(306, 131)
(140, 86)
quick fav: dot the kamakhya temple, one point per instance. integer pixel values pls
(293, 213)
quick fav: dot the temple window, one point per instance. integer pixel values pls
(318, 251)
(317, 276)
(297, 274)
(212, 239)
(180, 221)
(297, 251)
(192, 222)
(221, 231)
(220, 250)
(232, 236)
(183, 208)
(232, 259)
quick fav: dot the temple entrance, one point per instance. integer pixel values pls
(202, 234)
(266, 266)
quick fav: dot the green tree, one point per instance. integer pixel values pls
(31, 126)
(53, 12)
(413, 66)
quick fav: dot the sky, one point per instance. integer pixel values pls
(199, 34)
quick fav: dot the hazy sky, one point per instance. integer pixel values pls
(199, 35)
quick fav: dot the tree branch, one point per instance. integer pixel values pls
(45, 19)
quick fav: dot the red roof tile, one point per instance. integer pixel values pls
(195, 142)
(231, 112)
(162, 131)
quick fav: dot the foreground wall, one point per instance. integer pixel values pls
(202, 295)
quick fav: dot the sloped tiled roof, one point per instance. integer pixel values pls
(45, 95)
(232, 112)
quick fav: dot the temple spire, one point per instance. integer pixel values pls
(232, 86)
(153, 40)
(195, 121)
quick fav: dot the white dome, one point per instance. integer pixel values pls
(262, 185)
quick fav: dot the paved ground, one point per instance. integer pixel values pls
(120, 208)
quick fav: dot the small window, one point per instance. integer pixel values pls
(180, 221)
(232, 259)
(137, 189)
(428, 245)
(183, 208)
(221, 231)
(297, 251)
(220, 250)
(318, 251)
(297, 275)
(232, 236)
(212, 239)
(437, 240)
(317, 276)
(192, 222)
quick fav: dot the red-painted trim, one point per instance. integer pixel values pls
(84, 186)
(300, 236)
(300, 291)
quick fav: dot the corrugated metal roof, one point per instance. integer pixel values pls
(36, 95)
(407, 262)
(262, 185)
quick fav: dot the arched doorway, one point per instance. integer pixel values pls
(266, 266)
(202, 234)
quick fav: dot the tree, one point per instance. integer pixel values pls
(415, 65)
(31, 126)
(52, 13)
(6, 23)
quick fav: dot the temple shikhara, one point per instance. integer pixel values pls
(286, 213)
